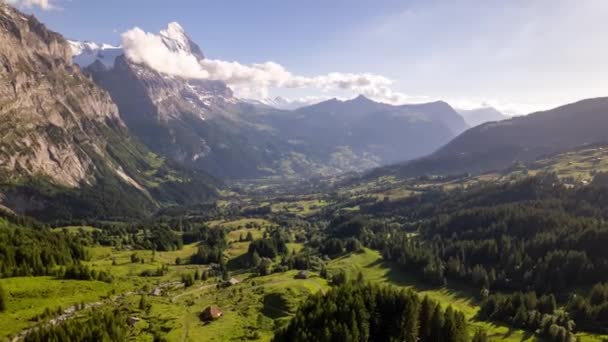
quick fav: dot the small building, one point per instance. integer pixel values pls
(231, 282)
(156, 292)
(211, 313)
(133, 320)
(302, 275)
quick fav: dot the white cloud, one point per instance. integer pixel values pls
(249, 81)
(44, 4)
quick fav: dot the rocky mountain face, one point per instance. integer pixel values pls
(497, 145)
(58, 128)
(194, 122)
(49, 112)
(478, 116)
(201, 124)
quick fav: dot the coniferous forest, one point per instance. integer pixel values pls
(357, 312)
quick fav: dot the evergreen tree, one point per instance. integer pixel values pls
(436, 334)
(480, 336)
(425, 318)
(3, 299)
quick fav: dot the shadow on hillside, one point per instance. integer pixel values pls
(238, 263)
(460, 292)
(397, 276)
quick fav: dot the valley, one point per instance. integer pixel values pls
(150, 192)
(267, 291)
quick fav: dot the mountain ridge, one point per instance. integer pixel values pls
(200, 123)
(64, 143)
(497, 145)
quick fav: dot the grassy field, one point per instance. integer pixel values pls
(251, 309)
(249, 312)
(76, 229)
(299, 207)
(30, 296)
(237, 224)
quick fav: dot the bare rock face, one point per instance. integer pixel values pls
(51, 115)
(195, 122)
(64, 150)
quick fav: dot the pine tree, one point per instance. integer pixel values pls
(425, 317)
(436, 325)
(449, 326)
(3, 300)
(480, 336)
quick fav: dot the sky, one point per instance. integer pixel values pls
(518, 56)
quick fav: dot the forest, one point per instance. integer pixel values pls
(535, 236)
(359, 312)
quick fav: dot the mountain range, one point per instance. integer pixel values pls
(87, 132)
(201, 124)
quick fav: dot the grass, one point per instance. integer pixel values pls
(247, 311)
(30, 296)
(300, 208)
(241, 223)
(76, 229)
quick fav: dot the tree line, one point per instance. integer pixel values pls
(359, 312)
(28, 251)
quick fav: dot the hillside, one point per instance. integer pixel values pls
(497, 145)
(64, 150)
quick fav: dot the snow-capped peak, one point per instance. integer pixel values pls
(176, 39)
(86, 53)
(284, 103)
(176, 33)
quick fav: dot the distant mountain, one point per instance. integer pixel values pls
(64, 149)
(478, 116)
(200, 123)
(192, 121)
(497, 145)
(283, 103)
(87, 53)
(375, 133)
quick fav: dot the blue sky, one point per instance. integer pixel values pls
(519, 55)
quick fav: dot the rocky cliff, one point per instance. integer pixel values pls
(58, 128)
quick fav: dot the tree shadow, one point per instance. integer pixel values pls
(238, 263)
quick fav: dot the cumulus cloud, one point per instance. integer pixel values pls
(248, 81)
(44, 4)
